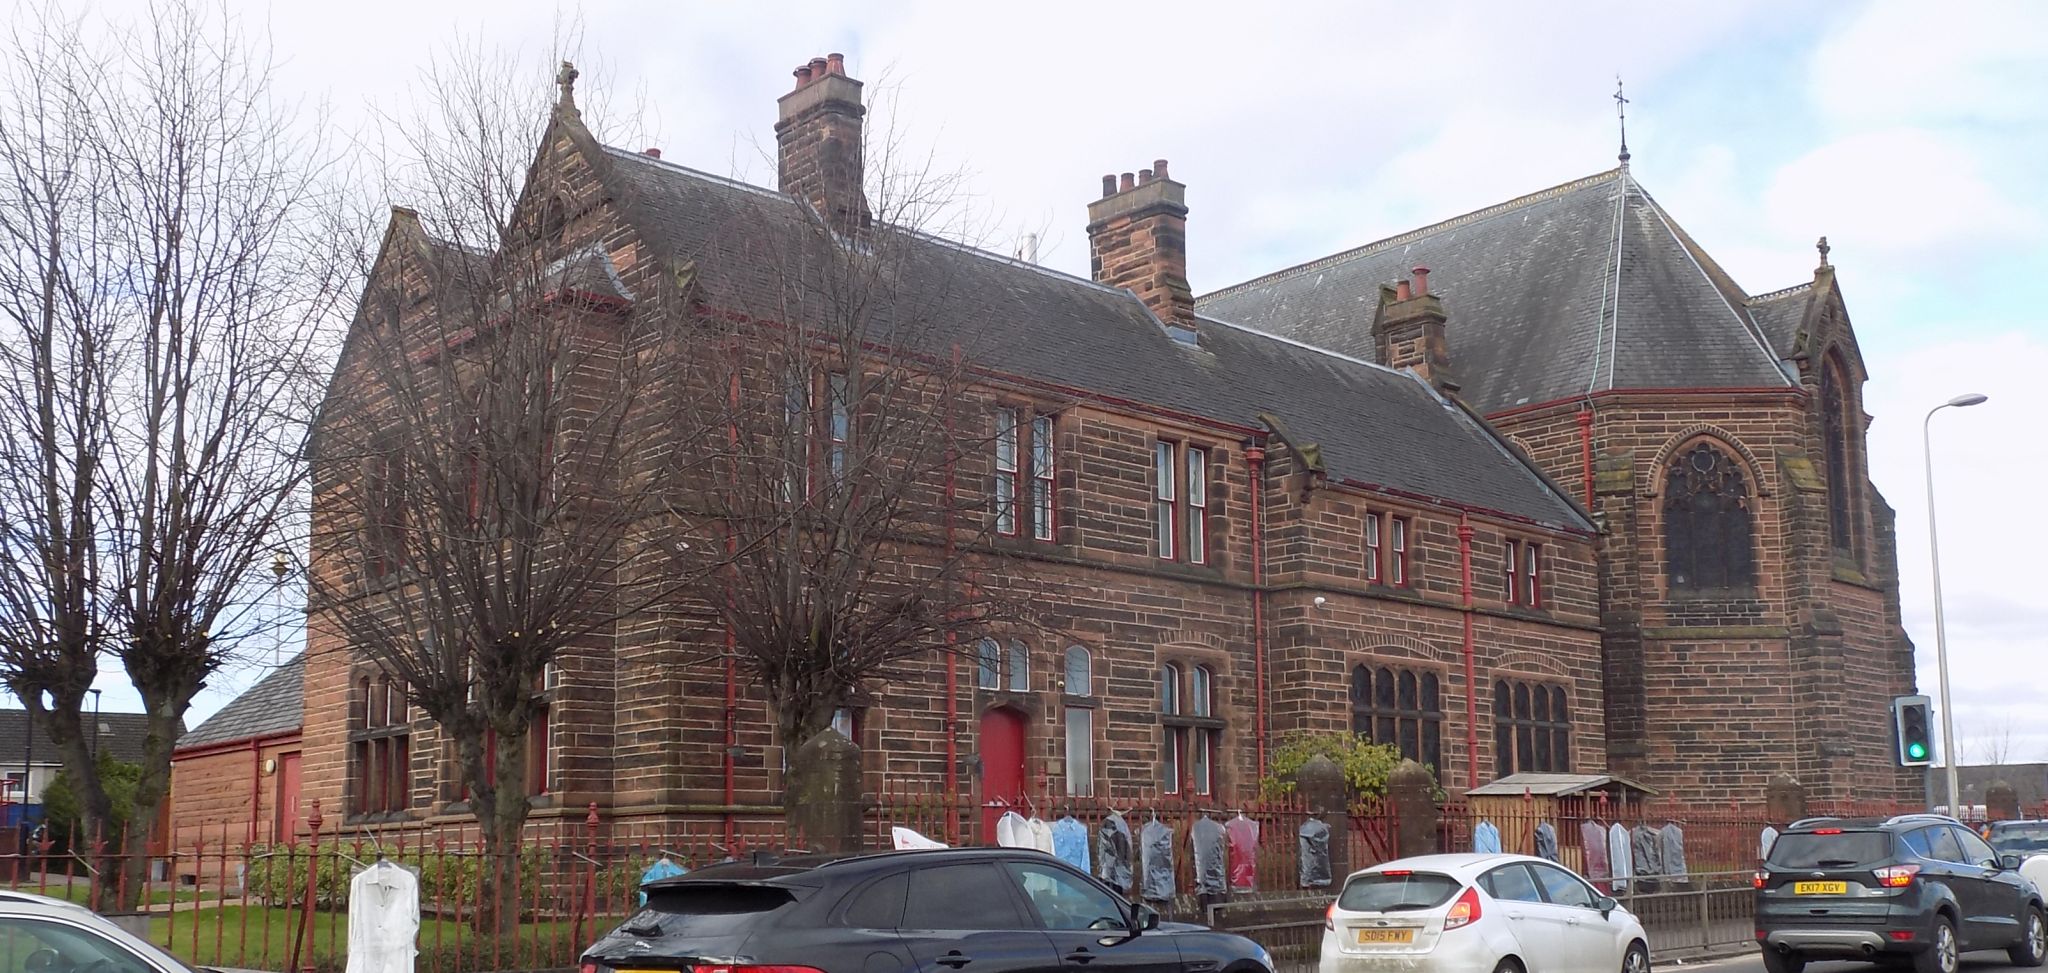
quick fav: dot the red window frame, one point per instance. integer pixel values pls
(1165, 499)
(1511, 552)
(1195, 491)
(1043, 518)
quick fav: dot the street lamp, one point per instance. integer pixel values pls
(1948, 720)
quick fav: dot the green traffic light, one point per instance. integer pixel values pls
(1916, 751)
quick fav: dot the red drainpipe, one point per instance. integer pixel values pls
(1586, 449)
(1256, 457)
(1471, 676)
(952, 661)
(732, 431)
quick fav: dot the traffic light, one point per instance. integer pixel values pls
(1910, 717)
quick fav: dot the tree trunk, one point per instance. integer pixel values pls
(501, 811)
(799, 717)
(151, 789)
(65, 733)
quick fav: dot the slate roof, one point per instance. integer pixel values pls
(1780, 314)
(120, 735)
(1531, 289)
(1374, 426)
(276, 704)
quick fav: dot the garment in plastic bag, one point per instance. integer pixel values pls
(1618, 856)
(1012, 831)
(1113, 853)
(662, 868)
(1070, 842)
(1156, 846)
(383, 919)
(1673, 839)
(1546, 842)
(1485, 839)
(1243, 834)
(1315, 854)
(1593, 839)
(1211, 873)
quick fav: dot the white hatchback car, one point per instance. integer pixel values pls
(1471, 913)
(47, 935)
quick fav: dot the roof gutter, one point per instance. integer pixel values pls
(239, 743)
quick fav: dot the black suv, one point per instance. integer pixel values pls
(969, 910)
(1918, 886)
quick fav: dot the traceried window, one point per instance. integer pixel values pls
(1834, 423)
(1532, 728)
(1400, 707)
(1708, 524)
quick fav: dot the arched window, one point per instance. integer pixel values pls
(988, 653)
(1708, 526)
(1174, 737)
(1531, 729)
(1080, 672)
(1020, 667)
(1834, 425)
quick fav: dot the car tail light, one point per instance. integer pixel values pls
(1398, 872)
(1330, 917)
(1465, 911)
(587, 967)
(1827, 831)
(1762, 879)
(1897, 876)
(1902, 935)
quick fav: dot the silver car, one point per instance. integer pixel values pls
(47, 935)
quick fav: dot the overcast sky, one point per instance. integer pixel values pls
(1912, 135)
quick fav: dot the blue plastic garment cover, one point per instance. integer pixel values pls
(1156, 842)
(1648, 846)
(662, 868)
(1618, 857)
(1210, 852)
(1546, 842)
(1070, 842)
(1674, 852)
(1113, 853)
(1485, 839)
(1315, 854)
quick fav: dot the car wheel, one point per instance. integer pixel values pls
(2033, 945)
(1507, 965)
(1782, 962)
(1941, 955)
(1637, 959)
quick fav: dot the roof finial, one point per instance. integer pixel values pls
(1621, 115)
(565, 79)
(1823, 247)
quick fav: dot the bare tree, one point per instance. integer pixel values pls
(851, 491)
(182, 289)
(494, 453)
(1989, 742)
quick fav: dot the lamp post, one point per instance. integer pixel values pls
(95, 725)
(1948, 720)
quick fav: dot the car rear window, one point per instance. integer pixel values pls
(1810, 849)
(709, 909)
(2020, 839)
(1391, 892)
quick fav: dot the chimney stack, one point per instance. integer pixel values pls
(1137, 240)
(818, 137)
(1409, 331)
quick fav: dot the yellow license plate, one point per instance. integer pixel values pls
(1820, 888)
(1375, 936)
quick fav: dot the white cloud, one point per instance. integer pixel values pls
(1902, 192)
(1905, 61)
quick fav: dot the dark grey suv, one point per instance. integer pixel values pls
(1918, 887)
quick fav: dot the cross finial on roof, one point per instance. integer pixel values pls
(1621, 115)
(565, 79)
(1823, 247)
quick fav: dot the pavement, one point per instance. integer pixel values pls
(1751, 961)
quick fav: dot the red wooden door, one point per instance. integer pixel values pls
(1002, 766)
(289, 814)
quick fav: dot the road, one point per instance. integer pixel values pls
(1752, 962)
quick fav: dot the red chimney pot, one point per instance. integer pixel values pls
(836, 63)
(651, 153)
(1129, 182)
(1159, 168)
(818, 65)
(1144, 176)
(1109, 185)
(1401, 291)
(803, 75)
(1421, 281)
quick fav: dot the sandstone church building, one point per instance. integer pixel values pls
(1536, 488)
